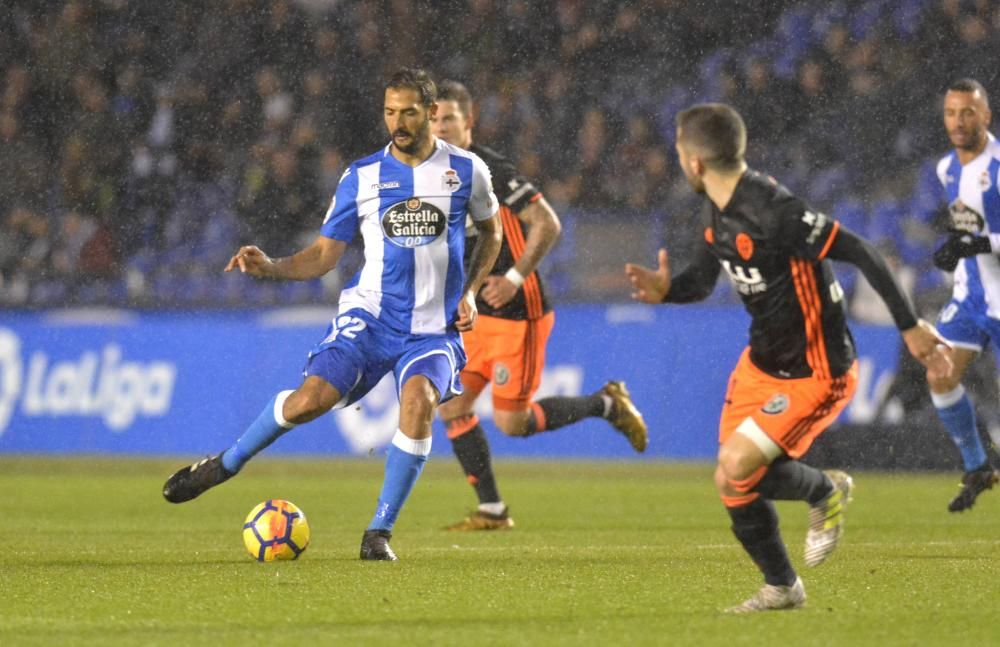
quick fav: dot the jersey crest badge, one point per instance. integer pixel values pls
(450, 181)
(777, 404)
(984, 181)
(744, 245)
(964, 218)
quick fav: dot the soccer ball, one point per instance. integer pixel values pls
(275, 529)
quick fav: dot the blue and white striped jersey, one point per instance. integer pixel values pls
(973, 193)
(412, 221)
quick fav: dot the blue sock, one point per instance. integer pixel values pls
(265, 430)
(403, 464)
(959, 417)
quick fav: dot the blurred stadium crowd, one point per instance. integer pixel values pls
(143, 141)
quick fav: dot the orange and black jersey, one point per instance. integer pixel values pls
(514, 192)
(772, 246)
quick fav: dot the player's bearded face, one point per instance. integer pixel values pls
(966, 117)
(407, 138)
(407, 120)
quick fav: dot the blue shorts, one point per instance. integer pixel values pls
(966, 327)
(359, 350)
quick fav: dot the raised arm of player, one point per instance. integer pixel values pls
(312, 262)
(543, 232)
(922, 340)
(484, 255)
(695, 283)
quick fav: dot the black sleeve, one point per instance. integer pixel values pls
(697, 280)
(510, 187)
(849, 247)
(805, 232)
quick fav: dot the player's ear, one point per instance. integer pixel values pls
(432, 110)
(696, 165)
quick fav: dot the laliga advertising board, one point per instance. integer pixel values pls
(188, 383)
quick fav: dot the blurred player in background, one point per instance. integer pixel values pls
(800, 369)
(507, 347)
(402, 312)
(971, 178)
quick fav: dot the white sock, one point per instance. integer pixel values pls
(495, 509)
(608, 402)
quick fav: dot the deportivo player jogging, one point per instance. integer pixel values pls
(799, 371)
(507, 346)
(402, 312)
(970, 175)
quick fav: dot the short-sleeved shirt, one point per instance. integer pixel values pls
(515, 192)
(973, 193)
(772, 245)
(412, 222)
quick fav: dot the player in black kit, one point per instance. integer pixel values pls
(507, 346)
(799, 371)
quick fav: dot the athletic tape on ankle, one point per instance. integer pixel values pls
(945, 400)
(411, 446)
(279, 405)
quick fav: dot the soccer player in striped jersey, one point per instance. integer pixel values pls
(404, 310)
(800, 370)
(970, 175)
(507, 347)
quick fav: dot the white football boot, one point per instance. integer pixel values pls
(774, 598)
(826, 519)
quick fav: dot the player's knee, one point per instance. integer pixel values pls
(418, 398)
(734, 464)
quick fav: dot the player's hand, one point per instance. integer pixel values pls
(498, 291)
(961, 244)
(251, 260)
(467, 312)
(649, 285)
(929, 348)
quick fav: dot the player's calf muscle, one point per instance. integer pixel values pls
(311, 400)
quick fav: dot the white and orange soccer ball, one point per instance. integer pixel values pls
(275, 529)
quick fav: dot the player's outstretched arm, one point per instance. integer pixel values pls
(695, 283)
(543, 232)
(921, 338)
(484, 255)
(312, 262)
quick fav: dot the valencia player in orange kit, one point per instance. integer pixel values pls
(507, 346)
(800, 369)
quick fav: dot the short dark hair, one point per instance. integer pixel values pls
(410, 78)
(455, 91)
(971, 86)
(717, 131)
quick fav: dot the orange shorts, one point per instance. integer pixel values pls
(791, 412)
(508, 353)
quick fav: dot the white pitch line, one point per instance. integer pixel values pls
(733, 545)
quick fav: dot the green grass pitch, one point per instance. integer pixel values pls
(603, 554)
